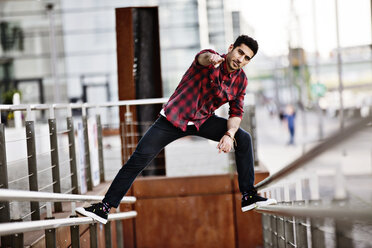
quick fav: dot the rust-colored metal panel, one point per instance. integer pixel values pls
(151, 187)
(129, 227)
(139, 73)
(191, 221)
(85, 240)
(248, 224)
(63, 237)
(125, 53)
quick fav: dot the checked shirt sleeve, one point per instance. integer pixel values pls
(236, 104)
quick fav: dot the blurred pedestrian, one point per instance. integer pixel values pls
(290, 115)
(211, 81)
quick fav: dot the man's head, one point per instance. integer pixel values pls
(241, 52)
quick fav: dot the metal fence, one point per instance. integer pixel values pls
(325, 196)
(70, 152)
(12, 232)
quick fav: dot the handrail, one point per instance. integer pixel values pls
(23, 195)
(28, 226)
(320, 211)
(316, 151)
(22, 107)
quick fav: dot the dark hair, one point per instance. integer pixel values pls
(250, 42)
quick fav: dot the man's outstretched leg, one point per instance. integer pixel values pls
(161, 133)
(214, 128)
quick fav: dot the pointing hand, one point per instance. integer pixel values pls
(216, 60)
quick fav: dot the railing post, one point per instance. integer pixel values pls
(32, 165)
(119, 231)
(300, 227)
(50, 237)
(317, 235)
(4, 206)
(17, 238)
(54, 158)
(50, 234)
(108, 243)
(93, 235)
(274, 230)
(301, 232)
(75, 234)
(87, 153)
(72, 153)
(100, 149)
(343, 229)
(266, 230)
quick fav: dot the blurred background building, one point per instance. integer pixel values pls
(65, 51)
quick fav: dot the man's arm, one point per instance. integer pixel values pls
(233, 124)
(208, 58)
(227, 141)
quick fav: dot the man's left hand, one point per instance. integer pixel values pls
(225, 145)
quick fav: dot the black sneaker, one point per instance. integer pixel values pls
(96, 211)
(251, 200)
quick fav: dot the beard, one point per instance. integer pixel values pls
(233, 65)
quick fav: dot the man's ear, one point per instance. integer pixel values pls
(231, 47)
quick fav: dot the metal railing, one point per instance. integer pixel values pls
(54, 155)
(50, 224)
(41, 169)
(323, 201)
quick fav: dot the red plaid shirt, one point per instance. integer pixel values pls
(202, 90)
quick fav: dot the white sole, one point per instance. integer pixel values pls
(265, 203)
(82, 211)
(249, 207)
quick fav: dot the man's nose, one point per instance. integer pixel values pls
(241, 58)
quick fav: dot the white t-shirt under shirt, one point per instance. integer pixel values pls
(163, 114)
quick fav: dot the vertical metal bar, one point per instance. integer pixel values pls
(5, 210)
(50, 236)
(343, 228)
(301, 231)
(342, 231)
(72, 155)
(93, 235)
(108, 243)
(317, 235)
(274, 230)
(32, 167)
(119, 231)
(288, 230)
(87, 154)
(55, 162)
(266, 230)
(75, 236)
(100, 149)
(17, 238)
(281, 232)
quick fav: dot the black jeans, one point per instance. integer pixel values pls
(161, 133)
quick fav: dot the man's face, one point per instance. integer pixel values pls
(238, 57)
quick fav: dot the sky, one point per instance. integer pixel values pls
(273, 24)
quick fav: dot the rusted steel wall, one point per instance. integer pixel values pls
(191, 212)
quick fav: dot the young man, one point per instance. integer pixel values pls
(211, 81)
